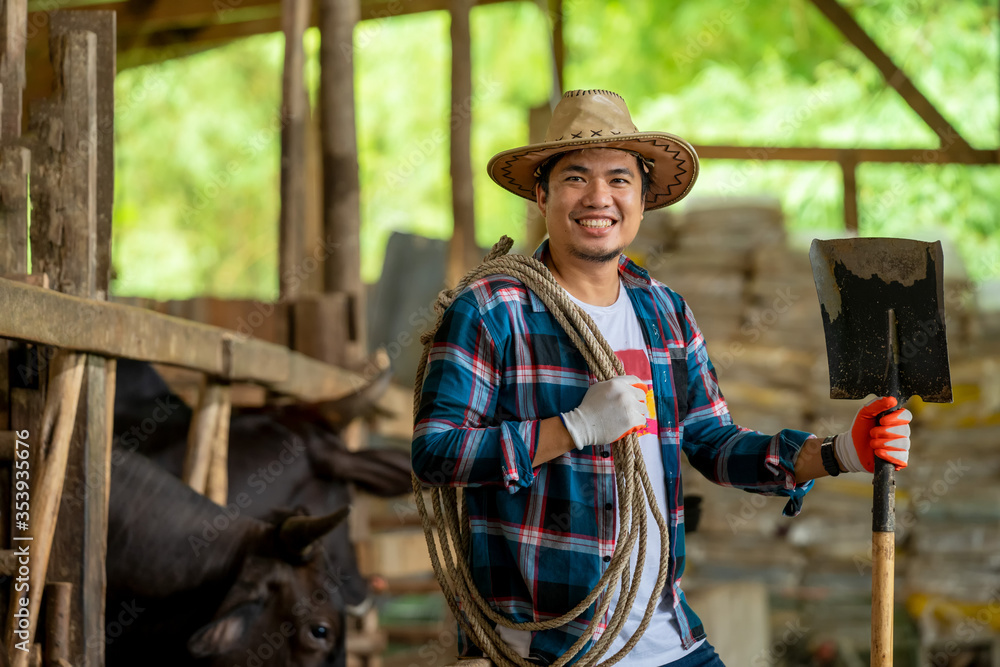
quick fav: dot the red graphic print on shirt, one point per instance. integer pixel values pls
(637, 363)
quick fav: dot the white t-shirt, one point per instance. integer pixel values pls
(661, 643)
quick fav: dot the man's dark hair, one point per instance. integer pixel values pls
(545, 171)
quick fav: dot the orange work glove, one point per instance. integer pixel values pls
(890, 440)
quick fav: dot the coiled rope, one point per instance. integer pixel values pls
(448, 536)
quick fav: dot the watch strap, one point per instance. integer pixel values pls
(826, 454)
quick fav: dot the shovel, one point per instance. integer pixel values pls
(883, 316)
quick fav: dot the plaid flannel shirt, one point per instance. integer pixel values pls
(541, 537)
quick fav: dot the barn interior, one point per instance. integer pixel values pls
(771, 590)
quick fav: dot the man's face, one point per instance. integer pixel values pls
(594, 204)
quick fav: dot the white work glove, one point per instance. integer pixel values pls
(856, 450)
(610, 410)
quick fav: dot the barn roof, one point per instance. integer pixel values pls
(154, 30)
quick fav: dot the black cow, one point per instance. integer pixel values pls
(246, 592)
(288, 456)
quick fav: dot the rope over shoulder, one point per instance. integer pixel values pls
(448, 535)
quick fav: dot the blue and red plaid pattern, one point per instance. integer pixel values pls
(542, 537)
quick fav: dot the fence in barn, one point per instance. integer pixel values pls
(60, 337)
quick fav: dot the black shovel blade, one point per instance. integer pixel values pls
(859, 281)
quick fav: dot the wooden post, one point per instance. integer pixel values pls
(57, 622)
(315, 253)
(213, 403)
(462, 252)
(558, 47)
(14, 32)
(14, 165)
(80, 548)
(217, 484)
(849, 165)
(103, 24)
(294, 121)
(535, 230)
(72, 187)
(15, 161)
(341, 188)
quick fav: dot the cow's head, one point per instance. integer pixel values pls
(284, 608)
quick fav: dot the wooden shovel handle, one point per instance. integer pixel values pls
(883, 562)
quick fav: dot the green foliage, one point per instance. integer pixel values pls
(198, 138)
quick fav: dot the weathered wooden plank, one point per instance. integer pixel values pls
(64, 237)
(103, 25)
(462, 252)
(294, 120)
(47, 317)
(308, 377)
(341, 185)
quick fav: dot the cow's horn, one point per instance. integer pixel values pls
(361, 403)
(297, 533)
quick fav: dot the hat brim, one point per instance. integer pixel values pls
(675, 164)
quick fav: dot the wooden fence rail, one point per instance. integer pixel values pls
(45, 317)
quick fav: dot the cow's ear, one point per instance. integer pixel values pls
(225, 633)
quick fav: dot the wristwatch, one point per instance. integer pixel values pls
(829, 460)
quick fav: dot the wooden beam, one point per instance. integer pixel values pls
(190, 26)
(341, 183)
(462, 252)
(814, 154)
(950, 138)
(48, 318)
(145, 17)
(294, 120)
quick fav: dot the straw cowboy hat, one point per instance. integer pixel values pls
(600, 119)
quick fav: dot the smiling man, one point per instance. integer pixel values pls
(509, 411)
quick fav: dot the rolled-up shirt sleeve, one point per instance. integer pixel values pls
(728, 454)
(457, 440)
